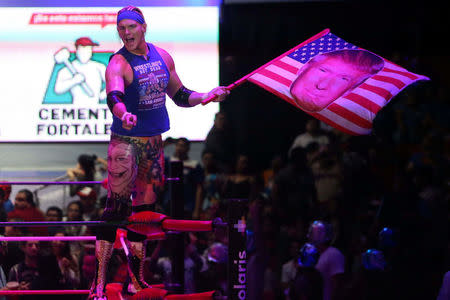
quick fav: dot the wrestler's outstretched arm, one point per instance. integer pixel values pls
(181, 95)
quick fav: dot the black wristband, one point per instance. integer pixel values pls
(113, 98)
(181, 97)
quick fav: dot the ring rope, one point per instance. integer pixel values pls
(64, 182)
(46, 238)
(43, 292)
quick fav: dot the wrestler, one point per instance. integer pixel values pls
(138, 77)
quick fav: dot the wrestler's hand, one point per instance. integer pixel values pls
(129, 121)
(220, 92)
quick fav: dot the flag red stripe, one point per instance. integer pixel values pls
(275, 77)
(349, 115)
(406, 74)
(377, 90)
(398, 83)
(285, 66)
(364, 102)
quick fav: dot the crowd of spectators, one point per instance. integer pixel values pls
(383, 200)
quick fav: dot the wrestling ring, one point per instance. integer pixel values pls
(155, 226)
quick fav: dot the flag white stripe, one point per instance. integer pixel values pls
(292, 62)
(281, 88)
(282, 72)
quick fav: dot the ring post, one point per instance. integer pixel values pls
(176, 241)
(237, 255)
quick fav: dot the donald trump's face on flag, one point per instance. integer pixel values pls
(328, 76)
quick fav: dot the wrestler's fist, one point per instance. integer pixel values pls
(129, 121)
(220, 92)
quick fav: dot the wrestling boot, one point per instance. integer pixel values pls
(136, 260)
(103, 253)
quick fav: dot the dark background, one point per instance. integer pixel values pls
(409, 33)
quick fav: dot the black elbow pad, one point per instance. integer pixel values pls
(113, 98)
(181, 97)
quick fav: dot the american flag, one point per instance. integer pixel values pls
(352, 113)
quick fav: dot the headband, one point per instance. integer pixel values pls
(132, 15)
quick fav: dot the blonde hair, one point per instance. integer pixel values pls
(363, 60)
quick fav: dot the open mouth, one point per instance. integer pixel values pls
(129, 40)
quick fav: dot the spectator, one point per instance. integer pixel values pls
(331, 263)
(13, 253)
(327, 180)
(88, 266)
(3, 215)
(88, 199)
(3, 251)
(220, 142)
(307, 283)
(208, 192)
(289, 268)
(193, 264)
(27, 273)
(214, 275)
(444, 291)
(312, 134)
(5, 193)
(374, 279)
(67, 263)
(191, 171)
(25, 209)
(294, 192)
(85, 170)
(241, 183)
(54, 214)
(49, 278)
(75, 213)
(269, 174)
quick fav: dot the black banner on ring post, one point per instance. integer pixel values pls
(176, 242)
(237, 255)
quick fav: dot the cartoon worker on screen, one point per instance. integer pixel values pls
(83, 77)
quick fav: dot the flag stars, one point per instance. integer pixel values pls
(322, 45)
